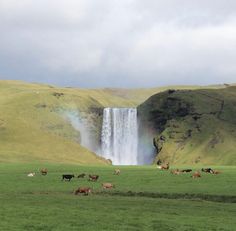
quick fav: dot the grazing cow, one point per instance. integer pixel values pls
(186, 170)
(83, 190)
(175, 171)
(81, 175)
(216, 172)
(67, 177)
(117, 172)
(207, 170)
(164, 167)
(108, 185)
(44, 171)
(196, 175)
(93, 177)
(31, 174)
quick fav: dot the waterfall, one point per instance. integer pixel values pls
(120, 136)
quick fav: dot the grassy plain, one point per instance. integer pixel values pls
(145, 198)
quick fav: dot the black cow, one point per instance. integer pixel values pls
(67, 177)
(207, 170)
(81, 175)
(186, 170)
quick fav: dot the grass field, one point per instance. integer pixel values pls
(145, 198)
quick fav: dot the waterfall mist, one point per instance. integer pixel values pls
(119, 139)
(86, 124)
(81, 125)
(146, 149)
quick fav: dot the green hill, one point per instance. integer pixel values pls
(192, 126)
(38, 122)
(35, 120)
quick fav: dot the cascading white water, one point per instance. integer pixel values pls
(120, 136)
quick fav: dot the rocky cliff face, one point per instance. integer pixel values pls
(191, 126)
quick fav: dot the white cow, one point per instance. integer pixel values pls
(31, 174)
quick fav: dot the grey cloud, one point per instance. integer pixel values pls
(125, 43)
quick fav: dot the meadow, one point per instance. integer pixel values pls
(145, 198)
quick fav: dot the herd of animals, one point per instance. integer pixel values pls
(196, 174)
(94, 178)
(80, 190)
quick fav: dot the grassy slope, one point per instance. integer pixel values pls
(197, 126)
(33, 126)
(46, 203)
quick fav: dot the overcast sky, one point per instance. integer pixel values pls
(118, 43)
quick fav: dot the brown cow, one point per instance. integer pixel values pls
(216, 172)
(93, 177)
(164, 167)
(196, 175)
(175, 171)
(117, 172)
(108, 185)
(83, 190)
(44, 171)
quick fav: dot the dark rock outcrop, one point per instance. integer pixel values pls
(181, 121)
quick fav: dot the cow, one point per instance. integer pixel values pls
(44, 171)
(67, 177)
(81, 175)
(216, 172)
(175, 171)
(196, 175)
(31, 174)
(186, 170)
(93, 177)
(108, 185)
(207, 170)
(164, 167)
(83, 190)
(117, 172)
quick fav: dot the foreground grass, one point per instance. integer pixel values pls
(47, 203)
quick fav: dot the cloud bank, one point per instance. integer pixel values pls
(118, 43)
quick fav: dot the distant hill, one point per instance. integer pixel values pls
(192, 126)
(38, 121)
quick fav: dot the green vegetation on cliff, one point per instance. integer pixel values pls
(192, 126)
(37, 121)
